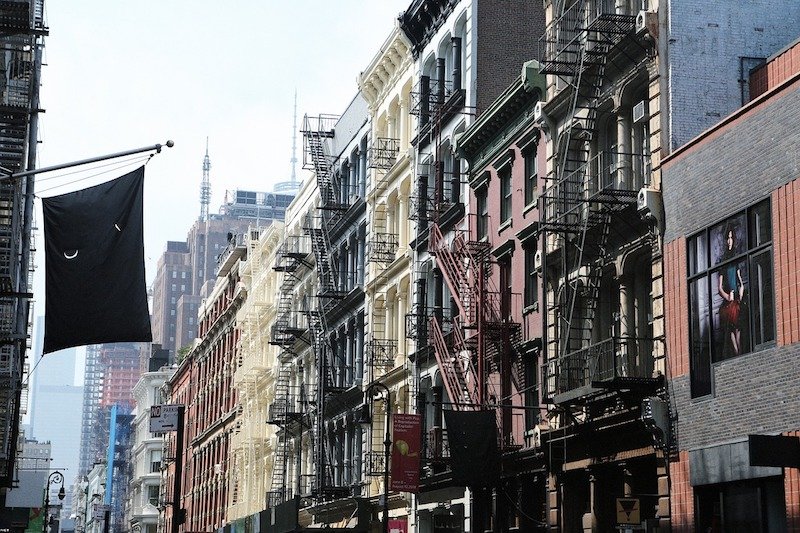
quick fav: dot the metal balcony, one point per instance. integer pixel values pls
(616, 363)
(609, 179)
(593, 26)
(383, 153)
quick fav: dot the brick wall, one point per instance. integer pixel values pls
(779, 69)
(706, 40)
(676, 307)
(681, 495)
(786, 254)
(734, 166)
(791, 481)
(507, 36)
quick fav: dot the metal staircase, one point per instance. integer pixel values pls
(282, 412)
(580, 201)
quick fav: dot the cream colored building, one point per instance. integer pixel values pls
(386, 84)
(252, 443)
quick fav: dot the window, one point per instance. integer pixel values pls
(183, 275)
(531, 280)
(531, 176)
(505, 193)
(174, 274)
(748, 505)
(731, 295)
(155, 461)
(505, 286)
(483, 213)
(152, 495)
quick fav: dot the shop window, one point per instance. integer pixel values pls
(751, 505)
(731, 294)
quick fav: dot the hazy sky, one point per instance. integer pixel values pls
(122, 75)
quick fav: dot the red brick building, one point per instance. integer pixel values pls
(505, 151)
(203, 383)
(733, 310)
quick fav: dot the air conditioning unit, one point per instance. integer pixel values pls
(538, 112)
(648, 203)
(640, 112)
(647, 22)
(537, 437)
(647, 199)
(537, 261)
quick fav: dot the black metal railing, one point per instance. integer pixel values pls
(382, 247)
(616, 357)
(608, 177)
(583, 24)
(383, 153)
(435, 446)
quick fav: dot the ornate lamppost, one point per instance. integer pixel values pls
(366, 419)
(54, 478)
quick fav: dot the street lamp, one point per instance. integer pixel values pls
(365, 418)
(52, 479)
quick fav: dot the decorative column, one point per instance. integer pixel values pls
(402, 209)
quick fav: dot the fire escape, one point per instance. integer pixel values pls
(21, 23)
(477, 340)
(381, 347)
(286, 411)
(590, 193)
(333, 203)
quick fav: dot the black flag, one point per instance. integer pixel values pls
(474, 457)
(94, 265)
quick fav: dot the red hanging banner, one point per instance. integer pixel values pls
(406, 451)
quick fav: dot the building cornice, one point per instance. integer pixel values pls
(386, 69)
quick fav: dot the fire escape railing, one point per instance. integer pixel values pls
(616, 358)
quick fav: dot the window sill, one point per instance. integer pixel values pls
(504, 226)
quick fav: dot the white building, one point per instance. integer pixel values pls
(146, 449)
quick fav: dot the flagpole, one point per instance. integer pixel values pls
(156, 147)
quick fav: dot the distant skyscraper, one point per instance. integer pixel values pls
(187, 270)
(55, 407)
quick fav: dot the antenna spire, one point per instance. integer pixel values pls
(205, 186)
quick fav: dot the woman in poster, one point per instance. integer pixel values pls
(731, 288)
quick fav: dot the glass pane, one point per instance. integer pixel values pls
(729, 300)
(698, 253)
(700, 338)
(760, 224)
(763, 299)
(728, 239)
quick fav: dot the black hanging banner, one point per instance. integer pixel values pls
(472, 437)
(94, 265)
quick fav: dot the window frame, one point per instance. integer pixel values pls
(482, 210)
(505, 177)
(703, 274)
(531, 287)
(529, 158)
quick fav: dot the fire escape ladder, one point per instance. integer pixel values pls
(316, 131)
(454, 268)
(281, 413)
(458, 373)
(326, 271)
